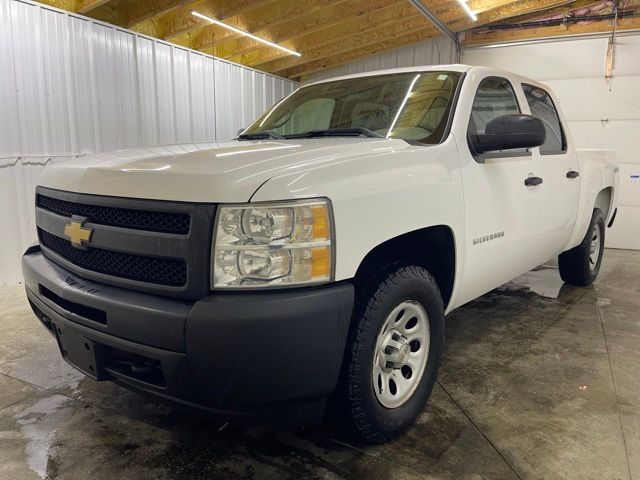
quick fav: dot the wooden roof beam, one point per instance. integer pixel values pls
(372, 21)
(298, 37)
(145, 10)
(287, 11)
(455, 18)
(85, 7)
(179, 22)
(68, 5)
(337, 25)
(411, 24)
(344, 57)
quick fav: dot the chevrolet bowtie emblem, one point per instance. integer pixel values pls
(78, 234)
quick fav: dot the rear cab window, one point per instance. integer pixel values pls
(542, 107)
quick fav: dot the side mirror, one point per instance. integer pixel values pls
(509, 131)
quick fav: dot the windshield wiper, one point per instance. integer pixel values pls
(336, 132)
(261, 135)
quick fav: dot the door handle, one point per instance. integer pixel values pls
(572, 174)
(532, 181)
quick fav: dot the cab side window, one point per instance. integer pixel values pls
(495, 97)
(543, 108)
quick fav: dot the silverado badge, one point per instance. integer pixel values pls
(78, 234)
(486, 238)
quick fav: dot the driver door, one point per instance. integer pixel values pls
(500, 210)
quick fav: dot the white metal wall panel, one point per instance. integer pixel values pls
(70, 85)
(181, 95)
(225, 101)
(436, 51)
(81, 86)
(147, 90)
(164, 94)
(9, 127)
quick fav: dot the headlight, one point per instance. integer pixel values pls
(266, 245)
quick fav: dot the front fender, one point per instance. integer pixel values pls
(380, 197)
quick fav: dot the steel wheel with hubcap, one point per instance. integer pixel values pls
(394, 352)
(401, 354)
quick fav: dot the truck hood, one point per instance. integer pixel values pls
(214, 172)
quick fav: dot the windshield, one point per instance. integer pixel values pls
(409, 106)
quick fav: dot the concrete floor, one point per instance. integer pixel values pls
(539, 380)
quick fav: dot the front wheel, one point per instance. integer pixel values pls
(580, 265)
(395, 352)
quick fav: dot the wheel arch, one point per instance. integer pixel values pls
(604, 201)
(433, 248)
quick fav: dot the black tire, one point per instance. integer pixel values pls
(576, 266)
(369, 419)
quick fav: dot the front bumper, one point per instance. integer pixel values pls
(255, 353)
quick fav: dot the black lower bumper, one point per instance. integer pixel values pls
(250, 353)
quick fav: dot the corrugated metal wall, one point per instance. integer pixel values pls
(436, 51)
(70, 86)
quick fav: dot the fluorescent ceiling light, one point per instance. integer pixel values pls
(466, 8)
(246, 34)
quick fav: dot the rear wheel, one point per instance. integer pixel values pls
(580, 265)
(395, 352)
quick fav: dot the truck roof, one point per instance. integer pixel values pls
(454, 67)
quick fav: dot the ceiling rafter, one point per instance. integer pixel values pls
(455, 18)
(343, 22)
(143, 11)
(452, 16)
(69, 5)
(344, 57)
(85, 7)
(407, 26)
(326, 32)
(288, 11)
(178, 20)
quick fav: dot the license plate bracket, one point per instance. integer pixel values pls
(78, 350)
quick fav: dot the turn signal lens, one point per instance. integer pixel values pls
(266, 245)
(320, 262)
(320, 222)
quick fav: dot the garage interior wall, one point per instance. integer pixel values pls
(601, 113)
(436, 51)
(70, 86)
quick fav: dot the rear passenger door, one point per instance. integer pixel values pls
(559, 169)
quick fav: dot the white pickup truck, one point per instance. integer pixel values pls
(311, 261)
